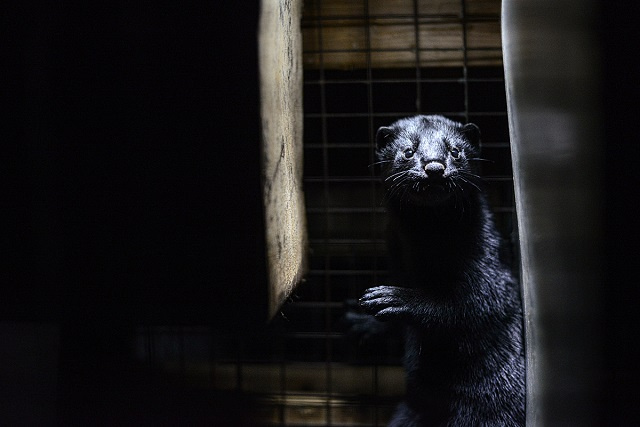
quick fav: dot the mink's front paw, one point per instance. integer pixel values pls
(387, 302)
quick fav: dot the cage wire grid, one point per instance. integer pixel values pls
(305, 371)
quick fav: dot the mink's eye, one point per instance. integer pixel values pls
(408, 153)
(455, 153)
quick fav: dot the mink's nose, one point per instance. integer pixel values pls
(434, 170)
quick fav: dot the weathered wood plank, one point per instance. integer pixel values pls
(281, 101)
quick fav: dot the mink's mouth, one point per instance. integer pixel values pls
(428, 192)
(419, 190)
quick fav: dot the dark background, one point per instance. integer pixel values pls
(131, 190)
(133, 160)
(620, 110)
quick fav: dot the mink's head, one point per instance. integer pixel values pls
(428, 160)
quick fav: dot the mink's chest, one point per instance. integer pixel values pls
(431, 257)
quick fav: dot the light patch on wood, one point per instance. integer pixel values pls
(280, 47)
(339, 34)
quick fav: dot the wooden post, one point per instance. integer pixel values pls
(280, 50)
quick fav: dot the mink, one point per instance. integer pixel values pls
(458, 301)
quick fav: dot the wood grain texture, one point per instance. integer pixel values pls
(280, 48)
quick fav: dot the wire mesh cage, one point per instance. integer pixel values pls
(367, 63)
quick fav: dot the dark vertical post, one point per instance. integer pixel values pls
(552, 83)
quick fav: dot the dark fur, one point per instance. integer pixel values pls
(464, 352)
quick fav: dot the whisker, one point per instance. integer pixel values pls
(456, 195)
(401, 177)
(469, 174)
(393, 176)
(480, 159)
(380, 162)
(397, 188)
(468, 181)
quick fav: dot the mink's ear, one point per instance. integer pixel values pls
(472, 132)
(383, 137)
